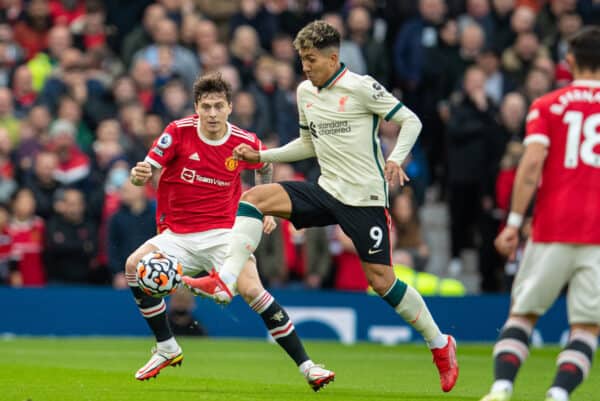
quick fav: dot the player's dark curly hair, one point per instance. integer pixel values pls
(211, 83)
(319, 35)
(585, 47)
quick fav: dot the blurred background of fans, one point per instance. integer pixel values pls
(86, 86)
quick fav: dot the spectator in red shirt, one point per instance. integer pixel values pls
(27, 232)
(74, 165)
(31, 32)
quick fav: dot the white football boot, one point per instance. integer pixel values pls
(158, 361)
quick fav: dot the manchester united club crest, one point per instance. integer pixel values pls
(231, 164)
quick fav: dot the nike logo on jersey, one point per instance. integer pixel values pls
(194, 156)
(374, 251)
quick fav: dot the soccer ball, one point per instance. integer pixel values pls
(159, 274)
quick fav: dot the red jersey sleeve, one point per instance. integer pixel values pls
(164, 147)
(537, 129)
(256, 145)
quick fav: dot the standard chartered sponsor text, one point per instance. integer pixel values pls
(333, 127)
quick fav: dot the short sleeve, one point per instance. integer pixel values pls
(163, 150)
(377, 99)
(537, 124)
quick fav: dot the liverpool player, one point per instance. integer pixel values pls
(561, 161)
(199, 189)
(339, 113)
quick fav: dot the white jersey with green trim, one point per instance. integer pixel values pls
(342, 120)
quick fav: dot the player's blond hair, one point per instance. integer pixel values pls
(319, 35)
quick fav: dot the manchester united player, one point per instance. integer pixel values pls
(562, 156)
(199, 189)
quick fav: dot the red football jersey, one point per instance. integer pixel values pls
(199, 186)
(567, 121)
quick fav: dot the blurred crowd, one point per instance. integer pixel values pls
(87, 85)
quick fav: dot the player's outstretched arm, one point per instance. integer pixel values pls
(140, 173)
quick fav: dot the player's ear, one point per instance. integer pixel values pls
(334, 56)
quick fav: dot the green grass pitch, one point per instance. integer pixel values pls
(101, 369)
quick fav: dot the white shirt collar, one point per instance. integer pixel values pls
(214, 142)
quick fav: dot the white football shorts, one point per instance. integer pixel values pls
(197, 252)
(544, 271)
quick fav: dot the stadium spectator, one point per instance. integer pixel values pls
(246, 113)
(286, 109)
(253, 13)
(8, 184)
(217, 56)
(66, 12)
(42, 183)
(8, 120)
(141, 36)
(90, 30)
(71, 240)
(145, 84)
(497, 82)
(31, 31)
(376, 57)
(11, 11)
(165, 43)
(350, 52)
(11, 53)
(188, 31)
(537, 83)
(472, 121)
(181, 319)
(27, 233)
(502, 12)
(174, 101)
(349, 275)
(413, 38)
(518, 59)
(128, 228)
(568, 24)
(22, 89)
(206, 37)
(408, 242)
(478, 12)
(245, 50)
(73, 165)
(70, 110)
(548, 16)
(9, 268)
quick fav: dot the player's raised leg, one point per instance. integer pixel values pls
(167, 352)
(269, 199)
(410, 305)
(280, 326)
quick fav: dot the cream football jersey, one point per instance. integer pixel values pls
(342, 120)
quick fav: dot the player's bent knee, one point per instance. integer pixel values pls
(249, 291)
(251, 196)
(131, 263)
